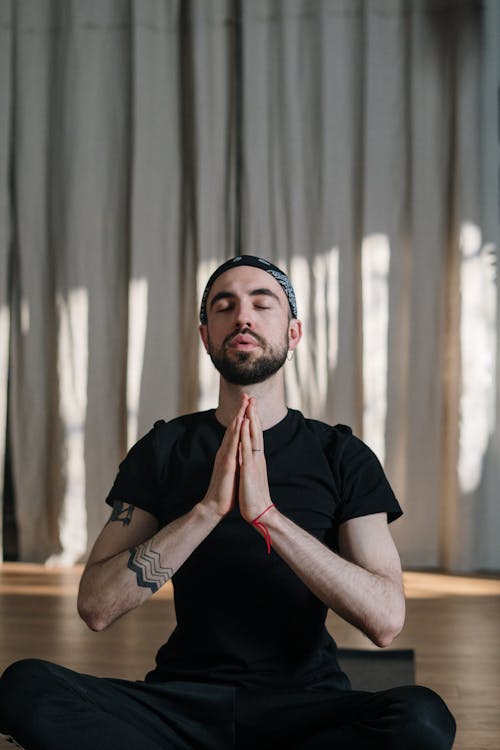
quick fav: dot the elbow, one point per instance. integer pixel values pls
(91, 616)
(388, 630)
(90, 606)
(384, 638)
(93, 621)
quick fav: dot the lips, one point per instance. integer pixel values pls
(242, 339)
(243, 342)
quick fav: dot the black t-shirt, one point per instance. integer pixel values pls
(243, 616)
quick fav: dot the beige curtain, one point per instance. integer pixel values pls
(143, 142)
(5, 214)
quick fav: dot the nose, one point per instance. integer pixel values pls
(244, 315)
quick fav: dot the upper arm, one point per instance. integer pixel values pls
(127, 527)
(367, 542)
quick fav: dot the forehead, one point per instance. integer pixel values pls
(244, 279)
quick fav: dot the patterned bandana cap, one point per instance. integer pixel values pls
(250, 260)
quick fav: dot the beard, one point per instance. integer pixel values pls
(248, 368)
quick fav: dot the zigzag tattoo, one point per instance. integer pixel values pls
(146, 565)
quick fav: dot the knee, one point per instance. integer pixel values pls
(19, 686)
(426, 719)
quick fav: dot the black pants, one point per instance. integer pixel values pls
(47, 707)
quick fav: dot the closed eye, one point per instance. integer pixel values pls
(230, 307)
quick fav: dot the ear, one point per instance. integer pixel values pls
(294, 333)
(203, 329)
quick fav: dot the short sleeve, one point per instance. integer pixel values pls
(363, 486)
(137, 479)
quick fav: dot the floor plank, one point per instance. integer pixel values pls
(452, 623)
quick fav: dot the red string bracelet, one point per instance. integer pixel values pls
(263, 527)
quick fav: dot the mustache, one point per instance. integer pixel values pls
(243, 332)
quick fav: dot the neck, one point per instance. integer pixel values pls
(270, 395)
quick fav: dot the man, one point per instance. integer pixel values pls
(264, 520)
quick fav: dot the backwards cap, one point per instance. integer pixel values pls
(250, 260)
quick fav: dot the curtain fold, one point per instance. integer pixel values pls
(485, 504)
(5, 226)
(141, 143)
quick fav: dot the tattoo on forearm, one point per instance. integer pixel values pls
(146, 565)
(121, 512)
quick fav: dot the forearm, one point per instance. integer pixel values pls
(372, 602)
(112, 587)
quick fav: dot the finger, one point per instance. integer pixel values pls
(256, 414)
(255, 428)
(235, 432)
(238, 417)
(246, 445)
(232, 433)
(244, 404)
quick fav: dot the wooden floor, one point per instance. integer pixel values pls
(453, 623)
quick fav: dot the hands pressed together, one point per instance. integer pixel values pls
(239, 475)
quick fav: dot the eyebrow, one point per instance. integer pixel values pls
(254, 293)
